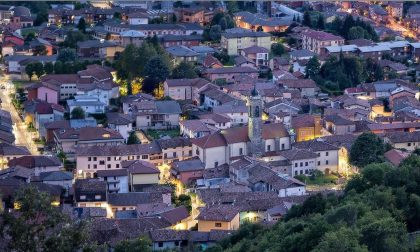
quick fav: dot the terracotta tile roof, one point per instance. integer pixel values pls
(395, 157)
(338, 120)
(297, 83)
(120, 150)
(403, 137)
(90, 185)
(139, 167)
(88, 134)
(218, 213)
(194, 164)
(35, 161)
(119, 118)
(112, 173)
(230, 70)
(173, 143)
(210, 61)
(315, 145)
(295, 154)
(175, 215)
(196, 82)
(12, 150)
(320, 35)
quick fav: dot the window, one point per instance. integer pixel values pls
(408, 144)
(88, 166)
(160, 244)
(319, 162)
(268, 147)
(174, 154)
(306, 163)
(197, 151)
(144, 156)
(108, 158)
(165, 155)
(177, 243)
(108, 166)
(82, 197)
(296, 164)
(301, 164)
(95, 166)
(101, 162)
(326, 162)
(326, 153)
(98, 197)
(216, 164)
(218, 224)
(241, 151)
(89, 159)
(117, 166)
(94, 158)
(282, 146)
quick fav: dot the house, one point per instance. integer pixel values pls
(409, 141)
(120, 122)
(90, 193)
(247, 20)
(129, 100)
(258, 55)
(89, 104)
(306, 127)
(66, 140)
(236, 111)
(187, 171)
(184, 40)
(216, 120)
(297, 162)
(302, 54)
(214, 97)
(183, 89)
(50, 127)
(175, 149)
(156, 114)
(182, 54)
(91, 159)
(138, 17)
(338, 125)
(37, 164)
(16, 63)
(378, 13)
(117, 180)
(395, 157)
(120, 202)
(233, 42)
(414, 11)
(38, 113)
(282, 105)
(374, 51)
(307, 87)
(279, 63)
(214, 177)
(57, 178)
(228, 73)
(195, 128)
(9, 152)
(210, 61)
(220, 217)
(141, 174)
(316, 40)
(395, 9)
(132, 37)
(98, 48)
(328, 154)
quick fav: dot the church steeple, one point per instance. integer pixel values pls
(255, 108)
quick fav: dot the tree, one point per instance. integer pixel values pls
(356, 32)
(39, 50)
(133, 139)
(184, 71)
(215, 32)
(321, 22)
(298, 18)
(72, 37)
(117, 15)
(29, 70)
(223, 23)
(373, 70)
(77, 113)
(368, 148)
(307, 19)
(142, 244)
(66, 54)
(260, 29)
(278, 49)
(82, 25)
(58, 67)
(157, 69)
(38, 69)
(343, 239)
(37, 225)
(313, 67)
(41, 16)
(48, 68)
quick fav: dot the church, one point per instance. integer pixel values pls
(255, 139)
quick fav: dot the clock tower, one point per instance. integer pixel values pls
(255, 109)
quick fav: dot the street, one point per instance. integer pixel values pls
(23, 137)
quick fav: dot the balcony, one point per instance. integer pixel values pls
(113, 189)
(113, 181)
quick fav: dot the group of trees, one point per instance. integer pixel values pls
(148, 66)
(38, 69)
(336, 74)
(220, 22)
(378, 209)
(349, 28)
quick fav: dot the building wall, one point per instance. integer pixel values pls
(178, 93)
(327, 161)
(206, 226)
(304, 166)
(294, 191)
(48, 95)
(144, 179)
(234, 45)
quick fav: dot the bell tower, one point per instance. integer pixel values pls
(255, 109)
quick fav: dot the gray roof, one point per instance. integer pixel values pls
(56, 176)
(168, 107)
(188, 165)
(131, 198)
(95, 44)
(246, 34)
(181, 51)
(302, 53)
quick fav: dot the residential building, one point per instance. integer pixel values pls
(234, 42)
(227, 73)
(183, 89)
(316, 40)
(37, 164)
(187, 171)
(141, 174)
(182, 53)
(89, 104)
(120, 122)
(258, 55)
(98, 48)
(90, 193)
(156, 114)
(9, 152)
(221, 217)
(409, 141)
(117, 180)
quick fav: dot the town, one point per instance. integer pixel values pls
(175, 125)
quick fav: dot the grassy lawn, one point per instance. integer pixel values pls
(157, 134)
(318, 179)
